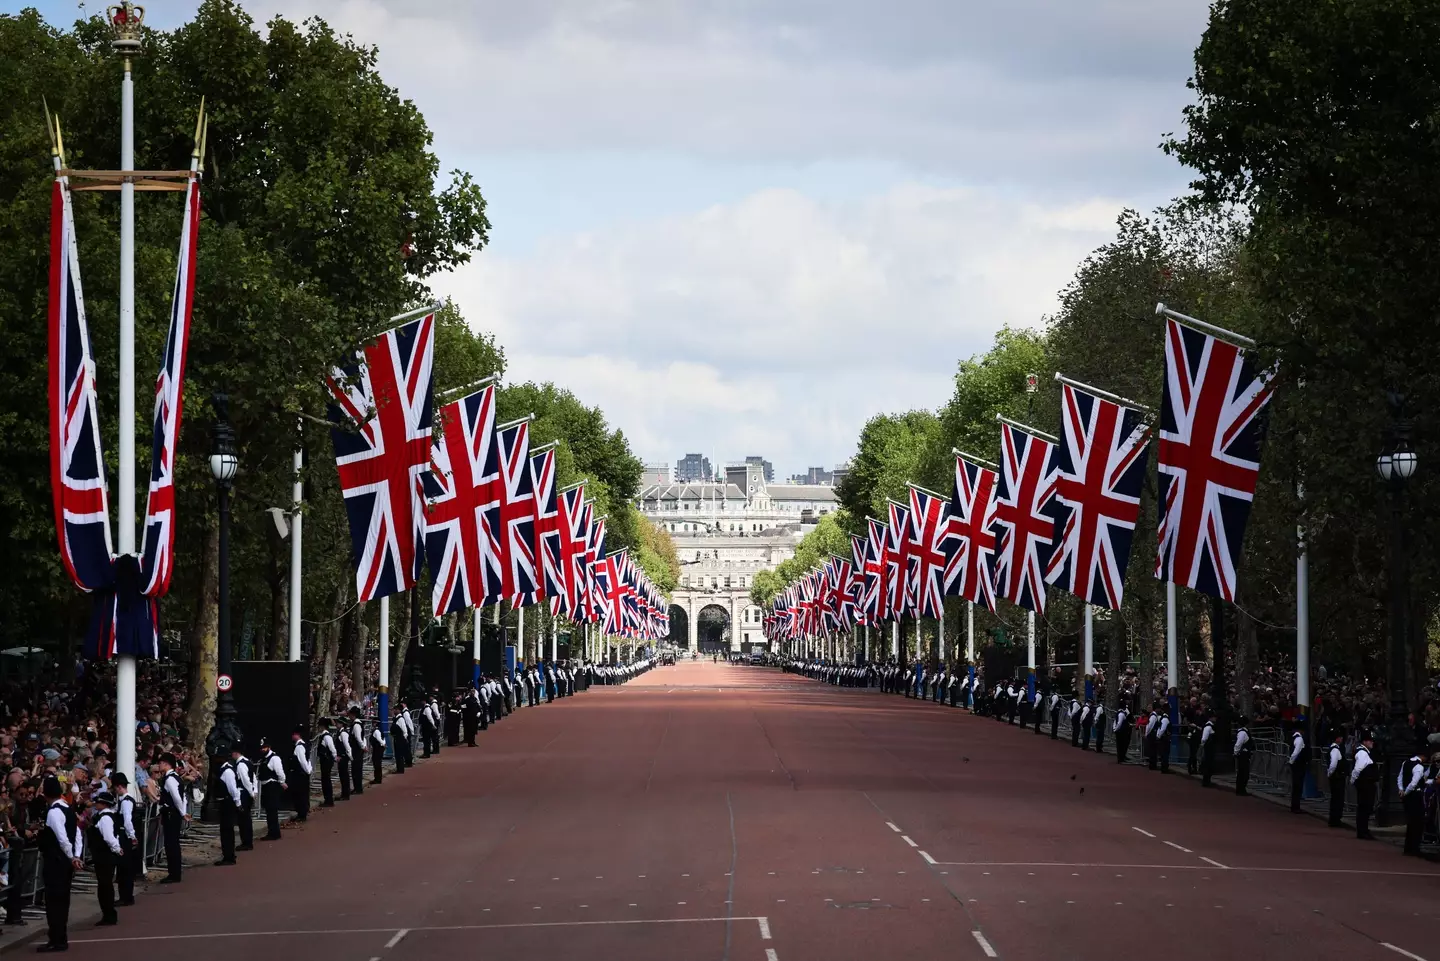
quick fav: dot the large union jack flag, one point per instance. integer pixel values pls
(517, 513)
(596, 593)
(1024, 517)
(1212, 426)
(970, 536)
(462, 484)
(547, 524)
(900, 562)
(876, 592)
(572, 534)
(859, 549)
(158, 551)
(929, 527)
(77, 469)
(382, 411)
(1101, 461)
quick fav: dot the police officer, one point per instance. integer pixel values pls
(377, 753)
(1364, 774)
(1162, 740)
(1054, 715)
(1122, 733)
(272, 788)
(299, 773)
(1410, 782)
(173, 812)
(470, 713)
(325, 751)
(343, 749)
(1335, 776)
(105, 847)
(229, 803)
(1087, 723)
(61, 850)
(1244, 747)
(1077, 720)
(357, 752)
(130, 864)
(400, 740)
(1097, 721)
(249, 785)
(1208, 744)
(427, 729)
(1299, 762)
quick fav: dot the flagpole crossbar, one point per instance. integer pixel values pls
(1239, 340)
(176, 181)
(1027, 429)
(417, 312)
(1099, 392)
(474, 383)
(544, 447)
(926, 490)
(516, 422)
(975, 460)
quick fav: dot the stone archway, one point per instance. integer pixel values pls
(679, 626)
(714, 629)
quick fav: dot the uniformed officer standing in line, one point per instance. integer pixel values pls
(298, 776)
(130, 864)
(228, 803)
(249, 786)
(427, 729)
(1097, 722)
(105, 849)
(1299, 762)
(1055, 715)
(399, 741)
(453, 718)
(470, 714)
(1037, 708)
(1087, 714)
(1122, 733)
(1410, 782)
(1162, 739)
(343, 752)
(1335, 777)
(61, 850)
(325, 751)
(1193, 735)
(173, 812)
(357, 752)
(377, 753)
(1243, 750)
(1208, 744)
(1076, 711)
(1012, 703)
(272, 788)
(437, 717)
(1364, 774)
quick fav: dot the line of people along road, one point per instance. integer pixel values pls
(105, 827)
(1012, 702)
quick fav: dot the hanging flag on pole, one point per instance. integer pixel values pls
(463, 481)
(899, 560)
(970, 536)
(1212, 427)
(859, 550)
(382, 411)
(930, 523)
(572, 534)
(876, 591)
(1101, 464)
(517, 513)
(1024, 523)
(551, 579)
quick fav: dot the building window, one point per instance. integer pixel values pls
(727, 580)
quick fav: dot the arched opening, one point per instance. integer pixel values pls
(714, 628)
(679, 626)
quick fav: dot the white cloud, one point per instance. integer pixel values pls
(778, 324)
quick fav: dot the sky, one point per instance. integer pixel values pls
(746, 226)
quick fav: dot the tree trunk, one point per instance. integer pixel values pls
(331, 644)
(402, 647)
(359, 677)
(279, 578)
(205, 640)
(1115, 661)
(1145, 693)
(1247, 653)
(1207, 637)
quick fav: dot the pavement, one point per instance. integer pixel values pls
(723, 812)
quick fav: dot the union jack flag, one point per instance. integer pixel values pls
(843, 592)
(930, 525)
(597, 606)
(572, 534)
(876, 610)
(382, 411)
(1024, 517)
(1101, 461)
(158, 551)
(463, 483)
(612, 585)
(517, 514)
(77, 469)
(1212, 426)
(855, 588)
(970, 537)
(547, 524)
(899, 563)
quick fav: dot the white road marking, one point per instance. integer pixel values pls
(984, 945)
(1179, 848)
(765, 927)
(929, 859)
(1189, 867)
(399, 936)
(1143, 831)
(892, 826)
(1219, 865)
(770, 955)
(1413, 957)
(906, 839)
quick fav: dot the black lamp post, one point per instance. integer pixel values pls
(1395, 466)
(224, 464)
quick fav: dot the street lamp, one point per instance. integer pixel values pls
(224, 465)
(1396, 465)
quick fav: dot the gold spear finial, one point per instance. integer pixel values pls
(204, 138)
(195, 151)
(59, 142)
(50, 128)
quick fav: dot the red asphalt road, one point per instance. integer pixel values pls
(663, 820)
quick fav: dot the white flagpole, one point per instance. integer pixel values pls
(1089, 651)
(475, 647)
(1172, 653)
(384, 718)
(970, 631)
(895, 638)
(520, 631)
(125, 487)
(1030, 625)
(297, 519)
(940, 633)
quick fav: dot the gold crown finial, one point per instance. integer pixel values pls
(125, 22)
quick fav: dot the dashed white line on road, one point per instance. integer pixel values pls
(893, 826)
(984, 945)
(764, 928)
(906, 839)
(1413, 957)
(770, 955)
(399, 936)
(1143, 831)
(929, 859)
(1216, 863)
(1179, 848)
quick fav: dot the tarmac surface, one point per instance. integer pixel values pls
(723, 812)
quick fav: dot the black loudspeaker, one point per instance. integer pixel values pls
(272, 698)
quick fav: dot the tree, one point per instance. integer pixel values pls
(887, 458)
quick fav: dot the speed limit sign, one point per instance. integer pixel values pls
(224, 682)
